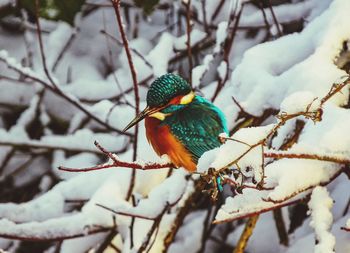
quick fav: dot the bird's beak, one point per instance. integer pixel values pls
(147, 111)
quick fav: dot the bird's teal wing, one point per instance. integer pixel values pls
(198, 127)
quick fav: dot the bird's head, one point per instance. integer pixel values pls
(167, 94)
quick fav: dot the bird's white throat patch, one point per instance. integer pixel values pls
(158, 115)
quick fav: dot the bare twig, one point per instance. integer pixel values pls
(127, 214)
(228, 46)
(118, 163)
(65, 48)
(116, 40)
(247, 232)
(116, 5)
(280, 226)
(275, 19)
(153, 228)
(187, 5)
(217, 10)
(41, 46)
(347, 229)
(319, 157)
(131, 228)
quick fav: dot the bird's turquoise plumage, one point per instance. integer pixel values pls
(164, 88)
(197, 126)
(179, 123)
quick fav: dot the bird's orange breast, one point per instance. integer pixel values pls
(163, 142)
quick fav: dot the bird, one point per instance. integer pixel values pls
(180, 123)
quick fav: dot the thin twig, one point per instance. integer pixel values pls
(227, 48)
(281, 226)
(131, 228)
(188, 43)
(55, 89)
(247, 232)
(152, 229)
(114, 39)
(275, 19)
(116, 5)
(65, 48)
(41, 45)
(217, 10)
(347, 229)
(118, 163)
(127, 214)
(319, 157)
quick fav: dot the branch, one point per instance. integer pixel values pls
(53, 237)
(41, 46)
(116, 5)
(247, 232)
(283, 117)
(275, 19)
(188, 43)
(281, 226)
(347, 229)
(260, 211)
(322, 183)
(228, 46)
(29, 73)
(118, 163)
(319, 157)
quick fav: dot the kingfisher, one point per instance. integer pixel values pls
(180, 123)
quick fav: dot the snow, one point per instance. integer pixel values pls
(164, 49)
(6, 2)
(299, 102)
(57, 40)
(288, 74)
(221, 35)
(348, 224)
(158, 198)
(321, 219)
(196, 36)
(81, 140)
(275, 77)
(233, 150)
(199, 71)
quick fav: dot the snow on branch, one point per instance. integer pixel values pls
(281, 177)
(285, 13)
(276, 77)
(29, 73)
(80, 141)
(322, 219)
(54, 229)
(336, 158)
(347, 226)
